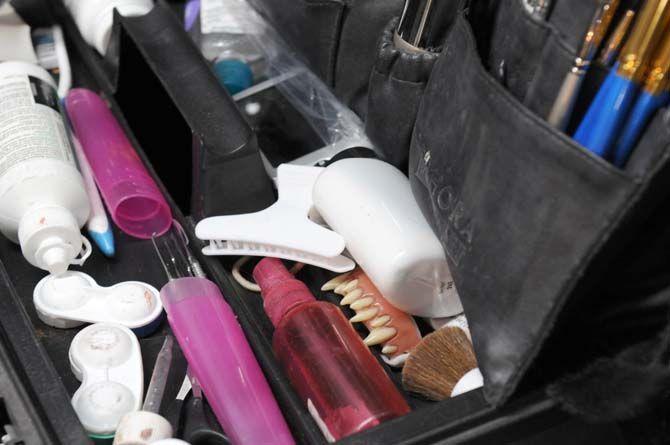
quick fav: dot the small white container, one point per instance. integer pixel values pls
(95, 18)
(107, 359)
(43, 202)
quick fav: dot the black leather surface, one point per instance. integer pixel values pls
(397, 84)
(362, 27)
(520, 208)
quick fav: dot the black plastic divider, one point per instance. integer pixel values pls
(181, 95)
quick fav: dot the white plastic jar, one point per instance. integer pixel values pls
(43, 202)
(95, 18)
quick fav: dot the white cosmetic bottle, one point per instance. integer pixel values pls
(43, 202)
(95, 18)
(370, 203)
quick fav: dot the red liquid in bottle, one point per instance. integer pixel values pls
(344, 387)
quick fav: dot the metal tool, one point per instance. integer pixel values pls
(146, 426)
(567, 96)
(423, 24)
(611, 49)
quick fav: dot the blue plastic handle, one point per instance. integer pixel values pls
(607, 114)
(645, 107)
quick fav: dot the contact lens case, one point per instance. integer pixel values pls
(107, 359)
(74, 298)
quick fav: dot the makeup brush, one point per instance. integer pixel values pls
(611, 49)
(655, 95)
(561, 111)
(606, 115)
(442, 365)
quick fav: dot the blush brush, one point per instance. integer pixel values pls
(442, 365)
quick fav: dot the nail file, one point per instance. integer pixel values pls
(74, 298)
(283, 230)
(107, 359)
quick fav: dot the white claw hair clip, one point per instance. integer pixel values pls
(369, 208)
(283, 230)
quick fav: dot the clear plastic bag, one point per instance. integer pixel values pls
(335, 125)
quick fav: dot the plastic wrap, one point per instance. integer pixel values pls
(336, 126)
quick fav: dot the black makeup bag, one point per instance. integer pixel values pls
(560, 258)
(556, 253)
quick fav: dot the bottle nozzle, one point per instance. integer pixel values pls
(56, 260)
(280, 290)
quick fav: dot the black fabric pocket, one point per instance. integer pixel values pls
(532, 55)
(397, 83)
(337, 38)
(521, 210)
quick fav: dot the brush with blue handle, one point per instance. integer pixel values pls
(609, 110)
(560, 113)
(655, 95)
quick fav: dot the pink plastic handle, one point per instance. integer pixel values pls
(133, 199)
(223, 363)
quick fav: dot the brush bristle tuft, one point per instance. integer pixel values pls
(437, 363)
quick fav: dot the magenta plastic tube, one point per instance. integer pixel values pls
(133, 199)
(222, 361)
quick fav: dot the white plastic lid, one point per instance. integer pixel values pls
(472, 380)
(50, 239)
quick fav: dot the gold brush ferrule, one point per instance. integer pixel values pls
(594, 36)
(615, 41)
(658, 80)
(648, 29)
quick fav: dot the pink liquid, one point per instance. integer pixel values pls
(222, 361)
(333, 371)
(344, 387)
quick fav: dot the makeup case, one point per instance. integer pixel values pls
(559, 257)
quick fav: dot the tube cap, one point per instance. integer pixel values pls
(50, 238)
(280, 290)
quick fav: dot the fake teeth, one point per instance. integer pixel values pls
(362, 303)
(380, 335)
(351, 286)
(389, 350)
(395, 331)
(340, 288)
(335, 282)
(380, 321)
(351, 297)
(365, 315)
